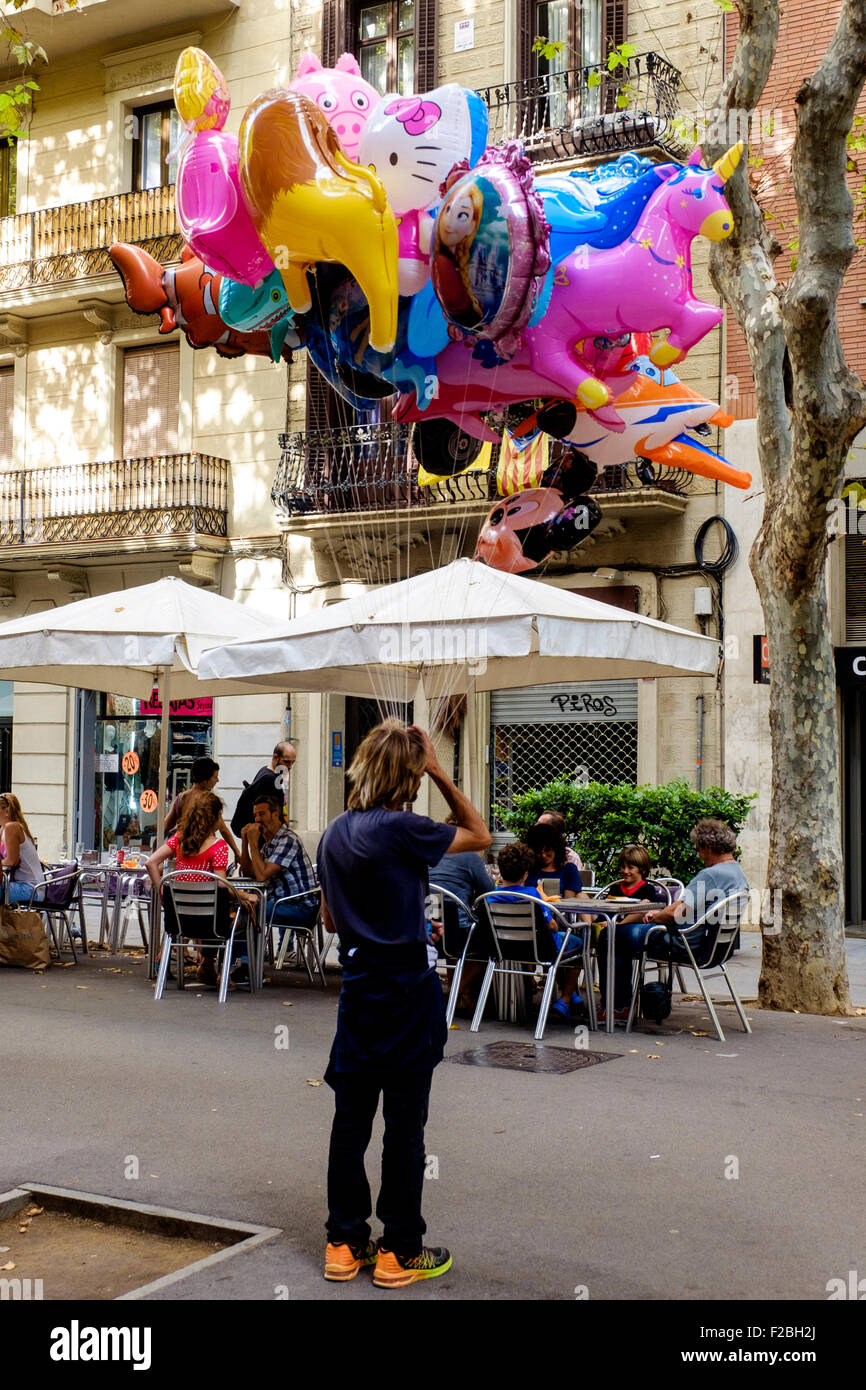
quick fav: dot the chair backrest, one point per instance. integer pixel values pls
(509, 923)
(674, 886)
(550, 886)
(587, 876)
(720, 923)
(197, 907)
(445, 907)
(61, 885)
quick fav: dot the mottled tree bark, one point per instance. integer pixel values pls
(802, 453)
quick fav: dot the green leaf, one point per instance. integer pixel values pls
(623, 100)
(594, 79)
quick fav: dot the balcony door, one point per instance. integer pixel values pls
(557, 85)
(395, 41)
(151, 379)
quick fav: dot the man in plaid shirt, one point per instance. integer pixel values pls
(273, 854)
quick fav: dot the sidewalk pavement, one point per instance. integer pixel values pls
(679, 1168)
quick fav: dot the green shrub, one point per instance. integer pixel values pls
(602, 817)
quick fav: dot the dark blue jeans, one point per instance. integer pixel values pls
(627, 946)
(405, 1098)
(289, 915)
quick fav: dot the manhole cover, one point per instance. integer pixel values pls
(530, 1057)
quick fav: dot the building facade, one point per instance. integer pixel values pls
(128, 456)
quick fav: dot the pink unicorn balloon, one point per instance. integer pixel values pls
(341, 94)
(643, 284)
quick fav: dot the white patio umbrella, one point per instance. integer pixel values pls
(126, 643)
(464, 626)
(461, 628)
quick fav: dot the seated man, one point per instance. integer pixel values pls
(273, 854)
(720, 877)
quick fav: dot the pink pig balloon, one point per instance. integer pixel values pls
(341, 94)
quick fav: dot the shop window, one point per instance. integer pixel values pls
(7, 392)
(128, 734)
(151, 382)
(155, 132)
(394, 41)
(8, 178)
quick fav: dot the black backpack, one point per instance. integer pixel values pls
(266, 780)
(655, 999)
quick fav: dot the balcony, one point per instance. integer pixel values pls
(63, 29)
(331, 481)
(128, 504)
(58, 245)
(589, 112)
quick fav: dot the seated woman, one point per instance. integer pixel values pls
(557, 820)
(551, 860)
(20, 855)
(198, 848)
(516, 864)
(633, 867)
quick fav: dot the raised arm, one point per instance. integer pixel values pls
(471, 832)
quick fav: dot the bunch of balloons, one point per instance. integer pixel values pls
(406, 255)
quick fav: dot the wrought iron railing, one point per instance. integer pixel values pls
(71, 242)
(170, 495)
(587, 111)
(363, 468)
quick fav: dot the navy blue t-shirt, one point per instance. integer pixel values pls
(569, 877)
(373, 868)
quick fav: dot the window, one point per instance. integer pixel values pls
(386, 45)
(7, 391)
(155, 132)
(150, 401)
(588, 29)
(395, 41)
(8, 170)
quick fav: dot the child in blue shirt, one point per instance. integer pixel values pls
(516, 862)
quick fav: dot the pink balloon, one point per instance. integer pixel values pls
(211, 212)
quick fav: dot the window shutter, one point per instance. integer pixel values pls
(334, 36)
(7, 391)
(614, 24)
(525, 38)
(426, 44)
(151, 381)
(319, 394)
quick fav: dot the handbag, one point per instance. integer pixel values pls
(23, 941)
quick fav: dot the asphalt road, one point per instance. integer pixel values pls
(682, 1168)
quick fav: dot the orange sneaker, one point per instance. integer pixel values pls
(392, 1272)
(342, 1262)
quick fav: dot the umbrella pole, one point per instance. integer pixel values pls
(155, 912)
(164, 697)
(471, 731)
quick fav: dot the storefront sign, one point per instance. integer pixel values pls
(106, 762)
(851, 666)
(336, 748)
(130, 764)
(149, 801)
(760, 661)
(178, 709)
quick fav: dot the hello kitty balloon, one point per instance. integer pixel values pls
(413, 143)
(341, 94)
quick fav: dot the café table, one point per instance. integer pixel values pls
(252, 885)
(611, 909)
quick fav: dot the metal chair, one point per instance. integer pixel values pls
(195, 911)
(509, 928)
(309, 935)
(55, 896)
(704, 947)
(445, 907)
